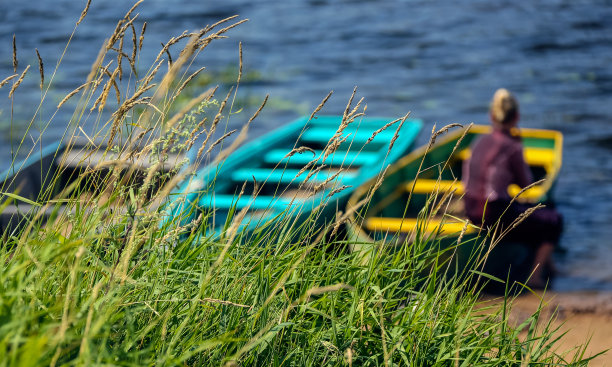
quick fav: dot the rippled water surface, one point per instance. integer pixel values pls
(441, 60)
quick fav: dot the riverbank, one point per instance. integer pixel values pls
(585, 316)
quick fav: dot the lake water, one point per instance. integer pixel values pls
(441, 60)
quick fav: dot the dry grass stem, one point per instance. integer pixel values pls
(243, 134)
(127, 25)
(41, 69)
(142, 32)
(189, 79)
(189, 106)
(239, 63)
(323, 184)
(306, 167)
(96, 65)
(348, 105)
(457, 144)
(167, 80)
(337, 190)
(218, 23)
(129, 12)
(171, 42)
(101, 101)
(119, 32)
(261, 107)
(326, 289)
(7, 79)
(115, 35)
(15, 61)
(218, 141)
(167, 51)
(500, 233)
(387, 125)
(443, 131)
(120, 55)
(217, 35)
(463, 230)
(129, 103)
(71, 94)
(331, 148)
(320, 106)
(527, 188)
(397, 131)
(311, 173)
(521, 218)
(213, 126)
(353, 114)
(152, 74)
(196, 133)
(104, 69)
(114, 82)
(84, 12)
(227, 303)
(18, 82)
(299, 150)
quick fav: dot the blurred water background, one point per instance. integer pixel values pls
(441, 60)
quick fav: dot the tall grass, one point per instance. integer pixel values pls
(108, 280)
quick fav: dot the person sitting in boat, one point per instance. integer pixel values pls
(496, 162)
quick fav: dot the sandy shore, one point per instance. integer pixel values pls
(583, 315)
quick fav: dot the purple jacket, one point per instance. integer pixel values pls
(496, 162)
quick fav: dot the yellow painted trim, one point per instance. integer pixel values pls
(424, 186)
(450, 226)
(532, 194)
(533, 156)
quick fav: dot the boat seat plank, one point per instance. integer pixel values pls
(77, 158)
(322, 135)
(409, 224)
(284, 176)
(257, 203)
(533, 156)
(338, 158)
(532, 194)
(425, 186)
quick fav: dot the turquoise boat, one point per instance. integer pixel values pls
(307, 166)
(29, 183)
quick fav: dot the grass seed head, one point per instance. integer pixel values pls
(18, 82)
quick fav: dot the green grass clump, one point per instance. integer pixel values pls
(206, 301)
(107, 279)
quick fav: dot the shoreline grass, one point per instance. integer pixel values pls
(109, 281)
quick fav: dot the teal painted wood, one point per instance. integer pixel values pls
(355, 136)
(286, 176)
(263, 161)
(257, 203)
(350, 158)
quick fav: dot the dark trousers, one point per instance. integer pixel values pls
(542, 225)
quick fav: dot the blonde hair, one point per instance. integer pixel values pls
(504, 107)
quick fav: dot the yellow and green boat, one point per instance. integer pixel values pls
(421, 193)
